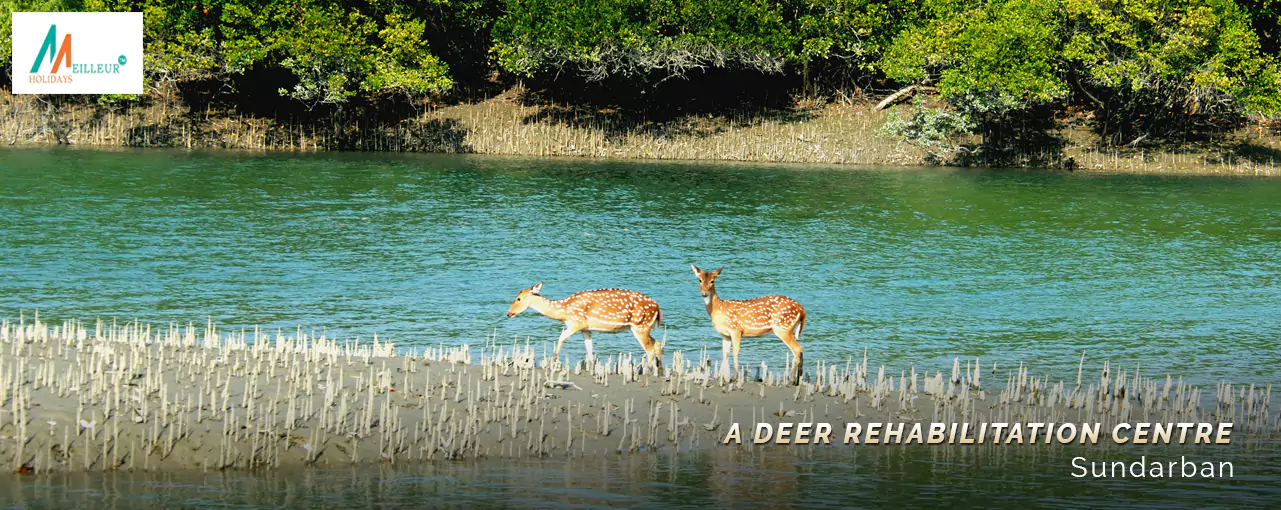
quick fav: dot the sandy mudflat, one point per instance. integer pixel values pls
(131, 397)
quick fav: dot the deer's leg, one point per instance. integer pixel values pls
(570, 329)
(798, 353)
(658, 354)
(587, 342)
(736, 340)
(725, 347)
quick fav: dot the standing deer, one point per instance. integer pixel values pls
(752, 318)
(603, 310)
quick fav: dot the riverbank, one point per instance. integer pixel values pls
(509, 125)
(130, 397)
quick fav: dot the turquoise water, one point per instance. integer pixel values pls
(1176, 274)
(1172, 274)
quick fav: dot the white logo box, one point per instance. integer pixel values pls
(105, 53)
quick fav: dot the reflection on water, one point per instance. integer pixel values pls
(1176, 274)
(838, 477)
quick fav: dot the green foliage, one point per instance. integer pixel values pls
(1005, 49)
(1148, 66)
(928, 127)
(1264, 16)
(634, 37)
(1006, 57)
(337, 53)
(1200, 53)
(600, 38)
(118, 99)
(8, 7)
(336, 50)
(857, 31)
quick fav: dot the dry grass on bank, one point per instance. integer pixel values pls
(505, 125)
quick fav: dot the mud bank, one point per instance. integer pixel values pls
(134, 397)
(506, 125)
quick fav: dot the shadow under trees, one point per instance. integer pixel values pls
(699, 103)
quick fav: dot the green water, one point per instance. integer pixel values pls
(1173, 274)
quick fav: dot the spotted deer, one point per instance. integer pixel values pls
(735, 319)
(601, 310)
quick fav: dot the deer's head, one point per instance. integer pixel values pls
(657, 352)
(523, 300)
(706, 282)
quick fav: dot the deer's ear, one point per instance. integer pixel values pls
(697, 271)
(536, 288)
(717, 272)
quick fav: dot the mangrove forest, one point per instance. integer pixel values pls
(1001, 73)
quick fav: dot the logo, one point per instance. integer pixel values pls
(106, 59)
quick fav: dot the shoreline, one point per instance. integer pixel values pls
(130, 397)
(503, 125)
(749, 164)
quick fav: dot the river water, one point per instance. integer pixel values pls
(1174, 275)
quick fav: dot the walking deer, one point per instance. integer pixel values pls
(735, 319)
(601, 310)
